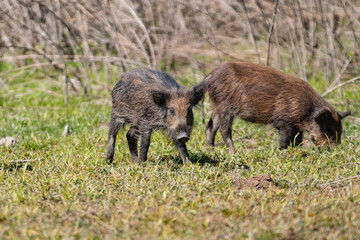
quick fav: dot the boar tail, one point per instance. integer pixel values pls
(203, 115)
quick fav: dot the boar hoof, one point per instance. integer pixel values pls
(233, 151)
(109, 161)
(209, 147)
(186, 161)
(137, 160)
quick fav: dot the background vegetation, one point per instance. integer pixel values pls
(58, 63)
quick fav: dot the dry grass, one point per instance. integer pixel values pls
(68, 191)
(79, 38)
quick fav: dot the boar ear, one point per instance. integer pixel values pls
(322, 115)
(197, 93)
(160, 98)
(343, 114)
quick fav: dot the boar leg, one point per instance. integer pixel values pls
(114, 126)
(288, 134)
(211, 128)
(181, 147)
(144, 145)
(132, 138)
(225, 130)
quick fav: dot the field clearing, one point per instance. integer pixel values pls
(70, 192)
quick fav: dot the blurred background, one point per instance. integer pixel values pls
(86, 45)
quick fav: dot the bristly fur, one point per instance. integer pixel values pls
(262, 94)
(148, 99)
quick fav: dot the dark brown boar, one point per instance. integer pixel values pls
(262, 94)
(147, 100)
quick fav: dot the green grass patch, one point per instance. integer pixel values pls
(70, 192)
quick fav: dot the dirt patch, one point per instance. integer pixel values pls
(259, 182)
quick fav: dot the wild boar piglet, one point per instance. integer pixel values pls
(146, 99)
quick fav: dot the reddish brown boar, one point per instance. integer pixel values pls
(262, 94)
(146, 100)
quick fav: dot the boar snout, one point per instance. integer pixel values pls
(183, 137)
(329, 122)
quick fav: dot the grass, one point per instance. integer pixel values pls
(70, 192)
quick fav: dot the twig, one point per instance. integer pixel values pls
(72, 58)
(326, 185)
(351, 24)
(271, 32)
(327, 42)
(337, 80)
(31, 66)
(145, 31)
(341, 85)
(25, 161)
(300, 29)
(345, 179)
(251, 31)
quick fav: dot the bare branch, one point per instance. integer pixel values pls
(271, 32)
(340, 85)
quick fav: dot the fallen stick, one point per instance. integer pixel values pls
(345, 179)
(340, 85)
(25, 161)
(326, 185)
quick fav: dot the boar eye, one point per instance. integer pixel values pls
(172, 111)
